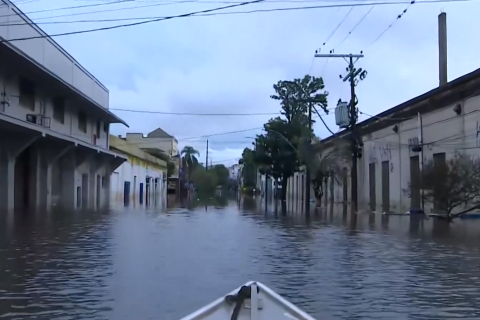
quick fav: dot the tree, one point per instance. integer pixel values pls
(452, 184)
(325, 166)
(189, 159)
(295, 97)
(222, 174)
(278, 148)
(248, 172)
(205, 181)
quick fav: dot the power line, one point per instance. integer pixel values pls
(196, 114)
(157, 18)
(219, 134)
(356, 25)
(92, 5)
(339, 25)
(69, 8)
(134, 23)
(396, 19)
(144, 6)
(224, 133)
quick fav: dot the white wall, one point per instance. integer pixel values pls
(44, 106)
(443, 132)
(126, 172)
(48, 54)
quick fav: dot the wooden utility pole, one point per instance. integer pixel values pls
(206, 158)
(307, 175)
(356, 141)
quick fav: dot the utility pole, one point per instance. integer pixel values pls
(206, 158)
(307, 183)
(356, 141)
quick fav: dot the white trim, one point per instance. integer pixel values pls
(207, 309)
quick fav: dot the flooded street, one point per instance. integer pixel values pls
(136, 263)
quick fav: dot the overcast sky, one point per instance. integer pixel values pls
(229, 63)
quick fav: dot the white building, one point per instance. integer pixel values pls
(234, 171)
(54, 123)
(142, 179)
(389, 169)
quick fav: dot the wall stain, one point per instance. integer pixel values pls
(407, 192)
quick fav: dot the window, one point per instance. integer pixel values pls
(59, 110)
(105, 127)
(27, 93)
(82, 121)
(99, 128)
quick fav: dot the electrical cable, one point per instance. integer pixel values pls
(356, 25)
(396, 19)
(134, 23)
(92, 12)
(197, 114)
(221, 133)
(69, 8)
(339, 24)
(157, 18)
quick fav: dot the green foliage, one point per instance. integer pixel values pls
(249, 168)
(452, 184)
(326, 167)
(221, 173)
(205, 181)
(189, 160)
(286, 144)
(296, 95)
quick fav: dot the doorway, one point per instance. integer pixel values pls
(84, 191)
(126, 193)
(371, 184)
(99, 190)
(414, 182)
(386, 186)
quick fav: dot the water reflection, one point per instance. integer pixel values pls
(150, 263)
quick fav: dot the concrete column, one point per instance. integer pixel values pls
(35, 179)
(7, 182)
(52, 155)
(11, 148)
(94, 165)
(68, 190)
(107, 189)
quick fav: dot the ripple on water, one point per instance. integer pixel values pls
(137, 264)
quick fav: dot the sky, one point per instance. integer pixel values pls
(228, 63)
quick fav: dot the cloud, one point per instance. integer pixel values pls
(228, 63)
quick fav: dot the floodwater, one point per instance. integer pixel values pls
(137, 263)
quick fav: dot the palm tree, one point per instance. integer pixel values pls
(189, 159)
(326, 165)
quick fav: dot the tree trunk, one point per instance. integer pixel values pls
(284, 189)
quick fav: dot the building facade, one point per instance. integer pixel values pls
(443, 122)
(54, 123)
(141, 179)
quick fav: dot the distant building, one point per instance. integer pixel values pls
(234, 171)
(141, 179)
(158, 143)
